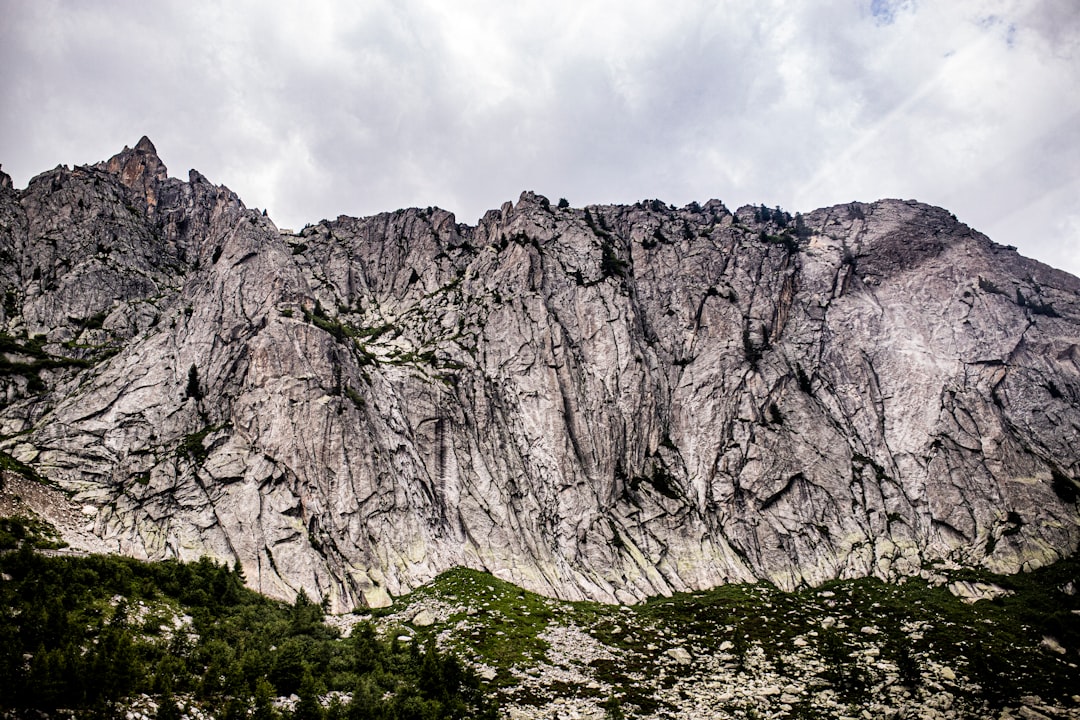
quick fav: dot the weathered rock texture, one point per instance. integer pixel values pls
(607, 403)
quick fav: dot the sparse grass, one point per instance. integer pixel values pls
(38, 360)
(502, 623)
(7, 462)
(193, 445)
(865, 638)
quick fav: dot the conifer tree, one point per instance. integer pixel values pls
(193, 390)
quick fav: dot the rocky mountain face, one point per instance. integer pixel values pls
(608, 403)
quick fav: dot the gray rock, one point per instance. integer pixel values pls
(680, 655)
(606, 404)
(1052, 644)
(971, 592)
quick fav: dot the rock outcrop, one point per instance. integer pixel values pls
(607, 403)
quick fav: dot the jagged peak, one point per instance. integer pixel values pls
(144, 149)
(139, 169)
(530, 198)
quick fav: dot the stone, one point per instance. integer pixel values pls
(680, 655)
(971, 592)
(424, 618)
(1051, 644)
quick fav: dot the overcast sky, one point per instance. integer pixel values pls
(312, 110)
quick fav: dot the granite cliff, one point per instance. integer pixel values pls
(609, 403)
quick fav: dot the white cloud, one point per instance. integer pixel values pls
(319, 109)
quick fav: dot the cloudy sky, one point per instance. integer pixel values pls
(312, 110)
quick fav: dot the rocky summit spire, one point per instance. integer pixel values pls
(144, 145)
(140, 170)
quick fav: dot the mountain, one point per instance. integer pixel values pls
(604, 403)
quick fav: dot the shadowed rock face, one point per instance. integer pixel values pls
(605, 403)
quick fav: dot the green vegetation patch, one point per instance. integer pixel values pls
(7, 462)
(496, 623)
(37, 360)
(24, 530)
(193, 445)
(85, 633)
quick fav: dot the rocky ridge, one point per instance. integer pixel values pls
(603, 403)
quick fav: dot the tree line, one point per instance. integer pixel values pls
(85, 633)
